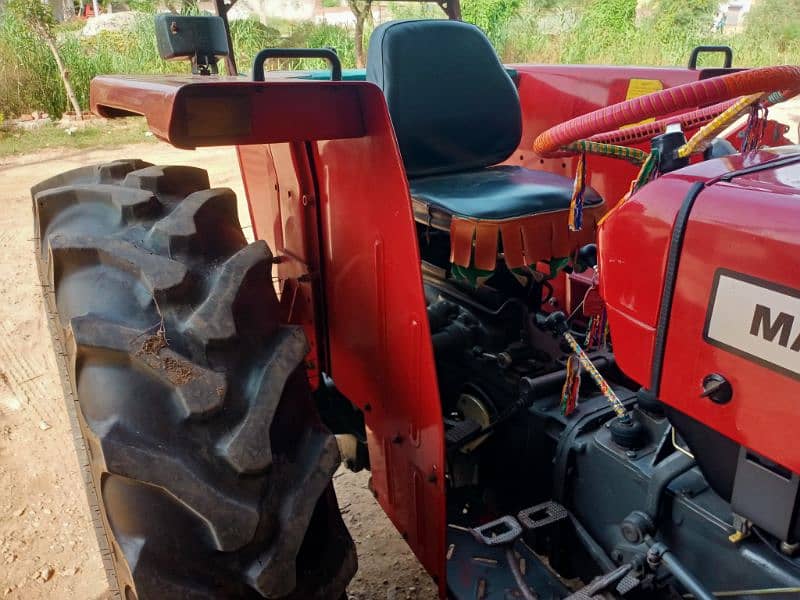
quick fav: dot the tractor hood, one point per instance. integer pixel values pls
(700, 271)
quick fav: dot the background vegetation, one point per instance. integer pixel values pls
(586, 31)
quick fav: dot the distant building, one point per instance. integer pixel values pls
(730, 17)
(293, 10)
(299, 10)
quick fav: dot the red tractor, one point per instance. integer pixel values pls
(564, 339)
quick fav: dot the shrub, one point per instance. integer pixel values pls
(249, 36)
(489, 15)
(605, 27)
(29, 78)
(322, 35)
(778, 22)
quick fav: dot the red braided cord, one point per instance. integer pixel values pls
(663, 102)
(688, 121)
(645, 131)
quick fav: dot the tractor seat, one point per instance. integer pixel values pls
(457, 116)
(492, 194)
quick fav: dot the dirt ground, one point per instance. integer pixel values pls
(47, 546)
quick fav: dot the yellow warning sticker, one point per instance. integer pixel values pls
(642, 87)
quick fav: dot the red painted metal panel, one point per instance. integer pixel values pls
(551, 94)
(633, 245)
(261, 188)
(380, 347)
(197, 111)
(374, 318)
(749, 226)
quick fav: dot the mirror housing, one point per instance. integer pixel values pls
(202, 40)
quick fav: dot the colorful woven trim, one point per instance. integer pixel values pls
(701, 139)
(589, 367)
(755, 128)
(526, 240)
(633, 155)
(572, 386)
(682, 97)
(578, 190)
(649, 170)
(469, 275)
(597, 331)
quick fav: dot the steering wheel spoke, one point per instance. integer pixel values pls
(703, 137)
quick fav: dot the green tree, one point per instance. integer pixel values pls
(604, 25)
(489, 15)
(362, 9)
(38, 17)
(684, 17)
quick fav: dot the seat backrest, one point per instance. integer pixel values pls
(453, 105)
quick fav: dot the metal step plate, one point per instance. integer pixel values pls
(479, 572)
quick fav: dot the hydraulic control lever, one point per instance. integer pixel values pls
(626, 431)
(557, 323)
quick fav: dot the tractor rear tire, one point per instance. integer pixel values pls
(207, 468)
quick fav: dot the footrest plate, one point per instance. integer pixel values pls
(498, 532)
(541, 515)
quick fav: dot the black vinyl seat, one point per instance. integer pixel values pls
(457, 117)
(494, 193)
(453, 105)
(456, 112)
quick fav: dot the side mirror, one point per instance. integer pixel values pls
(202, 40)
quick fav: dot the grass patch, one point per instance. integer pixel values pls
(93, 135)
(610, 32)
(29, 79)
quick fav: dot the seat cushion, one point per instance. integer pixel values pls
(453, 105)
(497, 193)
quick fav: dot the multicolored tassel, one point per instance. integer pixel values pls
(649, 170)
(572, 385)
(578, 190)
(597, 332)
(755, 128)
(587, 364)
(701, 140)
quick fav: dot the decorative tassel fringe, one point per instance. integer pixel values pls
(648, 171)
(572, 385)
(597, 331)
(578, 189)
(755, 128)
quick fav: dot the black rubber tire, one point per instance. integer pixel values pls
(207, 468)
